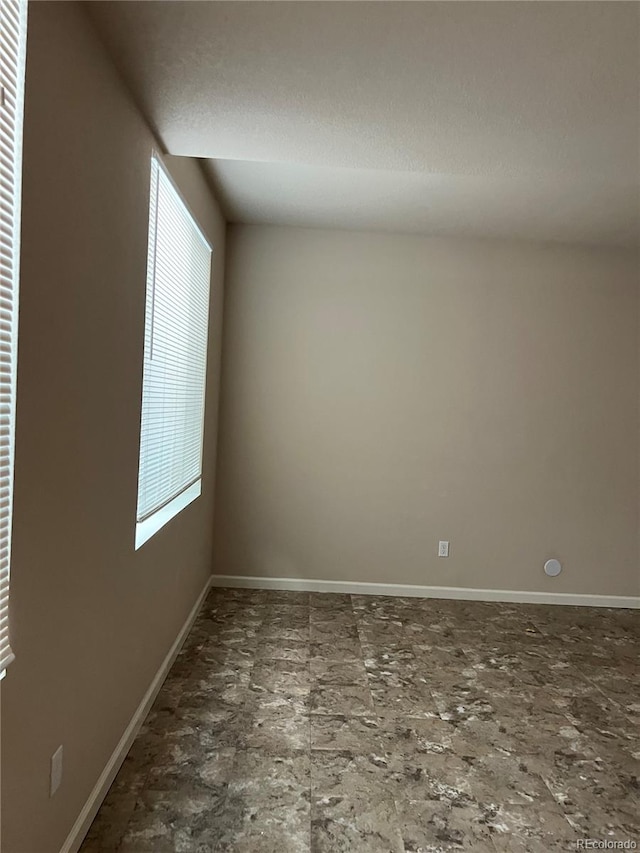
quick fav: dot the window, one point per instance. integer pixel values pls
(175, 359)
(13, 33)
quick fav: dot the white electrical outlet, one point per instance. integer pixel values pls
(443, 549)
(56, 770)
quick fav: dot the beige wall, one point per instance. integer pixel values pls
(383, 392)
(92, 619)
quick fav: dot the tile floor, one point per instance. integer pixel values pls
(297, 722)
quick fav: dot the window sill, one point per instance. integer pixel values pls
(147, 528)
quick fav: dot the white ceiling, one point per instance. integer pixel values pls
(499, 119)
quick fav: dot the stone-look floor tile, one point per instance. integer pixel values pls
(395, 655)
(330, 600)
(394, 652)
(534, 830)
(170, 694)
(292, 611)
(152, 836)
(189, 762)
(347, 824)
(509, 658)
(382, 633)
(229, 593)
(293, 617)
(621, 688)
(107, 830)
(375, 614)
(585, 780)
(226, 618)
(418, 628)
(408, 736)
(592, 710)
(581, 623)
(530, 701)
(341, 732)
(232, 613)
(434, 660)
(404, 675)
(231, 621)
(337, 672)
(215, 695)
(436, 636)
(160, 815)
(507, 779)
(227, 669)
(601, 819)
(279, 732)
(326, 632)
(281, 676)
(280, 632)
(150, 748)
(378, 603)
(239, 641)
(286, 597)
(542, 734)
(304, 721)
(349, 699)
(280, 829)
(507, 686)
(477, 637)
(342, 616)
(435, 825)
(220, 727)
(428, 777)
(132, 775)
(532, 669)
(463, 701)
(614, 738)
(283, 650)
(412, 701)
(563, 683)
(341, 649)
(595, 665)
(218, 658)
(348, 773)
(474, 738)
(260, 778)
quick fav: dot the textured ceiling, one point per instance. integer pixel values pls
(505, 119)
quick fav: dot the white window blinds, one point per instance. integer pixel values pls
(175, 349)
(13, 31)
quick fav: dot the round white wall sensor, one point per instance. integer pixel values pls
(552, 568)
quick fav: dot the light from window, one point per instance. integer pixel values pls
(175, 359)
(13, 36)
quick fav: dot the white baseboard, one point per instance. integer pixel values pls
(409, 590)
(90, 809)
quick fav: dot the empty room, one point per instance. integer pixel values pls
(320, 426)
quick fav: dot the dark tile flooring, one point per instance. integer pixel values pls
(315, 722)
